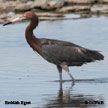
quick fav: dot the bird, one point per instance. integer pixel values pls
(61, 53)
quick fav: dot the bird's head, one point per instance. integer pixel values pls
(25, 16)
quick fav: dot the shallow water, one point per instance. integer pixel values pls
(25, 76)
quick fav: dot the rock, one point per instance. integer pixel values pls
(43, 4)
(100, 9)
(49, 14)
(42, 16)
(8, 6)
(37, 4)
(1, 1)
(2, 7)
(1, 21)
(47, 4)
(99, 13)
(103, 1)
(3, 16)
(23, 6)
(51, 4)
(22, 1)
(74, 8)
(78, 1)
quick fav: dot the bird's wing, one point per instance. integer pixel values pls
(69, 54)
(57, 52)
(45, 41)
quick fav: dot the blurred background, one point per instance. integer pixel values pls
(53, 9)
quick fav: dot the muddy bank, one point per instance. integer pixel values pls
(52, 9)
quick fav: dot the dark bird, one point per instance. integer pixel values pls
(61, 53)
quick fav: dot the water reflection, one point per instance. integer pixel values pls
(68, 99)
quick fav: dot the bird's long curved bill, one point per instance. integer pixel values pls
(18, 19)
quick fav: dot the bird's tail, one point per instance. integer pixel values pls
(95, 55)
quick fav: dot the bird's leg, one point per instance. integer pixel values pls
(65, 67)
(60, 72)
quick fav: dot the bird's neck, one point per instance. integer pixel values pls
(29, 32)
(31, 27)
(31, 39)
